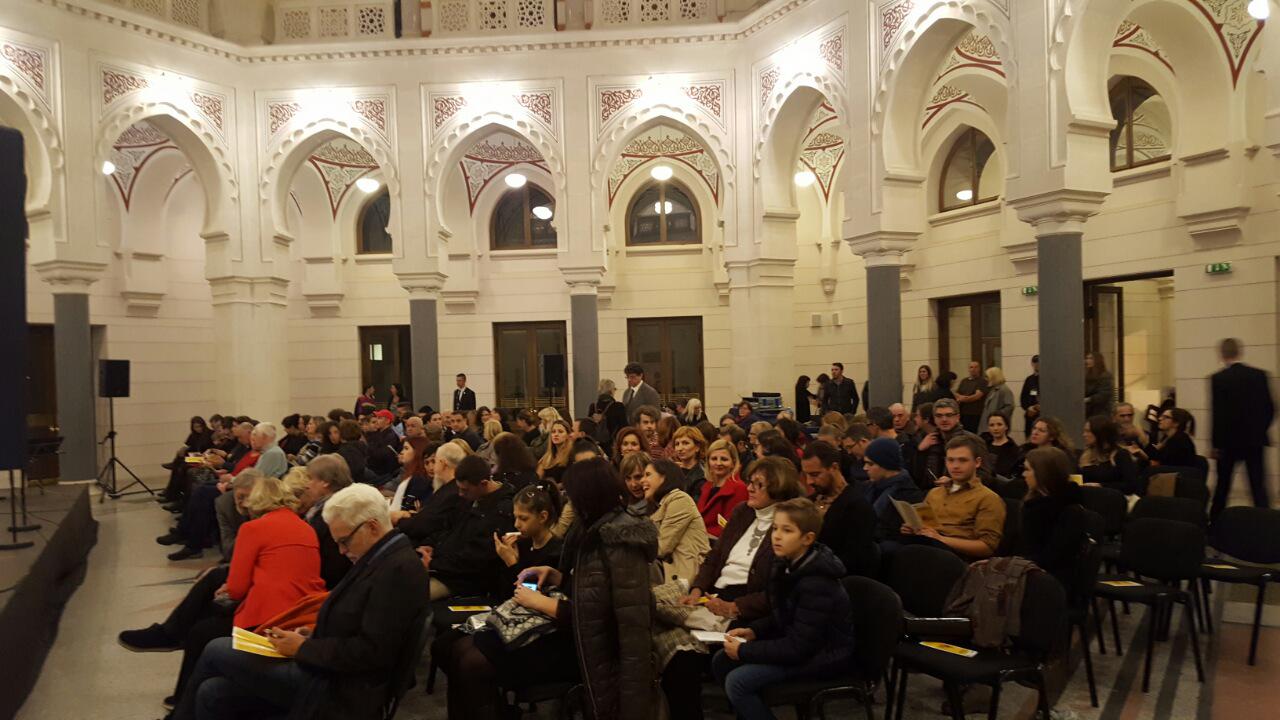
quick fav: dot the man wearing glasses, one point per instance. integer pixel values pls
(931, 458)
(1132, 437)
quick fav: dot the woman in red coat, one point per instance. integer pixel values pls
(724, 489)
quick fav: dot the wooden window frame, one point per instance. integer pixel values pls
(662, 227)
(528, 244)
(970, 139)
(1127, 85)
(361, 246)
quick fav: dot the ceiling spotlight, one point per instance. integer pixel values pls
(662, 208)
(367, 184)
(1260, 9)
(515, 180)
(108, 167)
(661, 173)
(805, 178)
(964, 195)
(542, 212)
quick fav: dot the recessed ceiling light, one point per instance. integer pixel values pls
(368, 184)
(805, 178)
(661, 173)
(515, 180)
(542, 212)
(1260, 9)
(108, 167)
(964, 195)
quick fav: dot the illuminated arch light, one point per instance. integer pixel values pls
(367, 184)
(542, 212)
(964, 195)
(1260, 9)
(662, 208)
(805, 178)
(515, 180)
(108, 167)
(661, 173)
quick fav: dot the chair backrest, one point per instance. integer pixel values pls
(1170, 508)
(1250, 534)
(1167, 550)
(402, 677)
(1011, 536)
(1109, 503)
(1043, 615)
(1095, 526)
(923, 577)
(1084, 575)
(877, 625)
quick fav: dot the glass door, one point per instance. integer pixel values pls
(385, 358)
(968, 330)
(530, 364)
(1104, 329)
(670, 349)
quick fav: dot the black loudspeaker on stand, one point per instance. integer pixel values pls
(13, 328)
(113, 382)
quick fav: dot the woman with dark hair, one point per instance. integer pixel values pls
(1053, 521)
(395, 396)
(1049, 432)
(667, 427)
(605, 573)
(804, 399)
(199, 439)
(772, 443)
(415, 478)
(352, 448)
(922, 387)
(790, 430)
(682, 537)
(559, 452)
(365, 398)
(1099, 388)
(1104, 463)
(745, 415)
(1176, 448)
(330, 437)
(514, 462)
(941, 388)
(1000, 446)
(626, 441)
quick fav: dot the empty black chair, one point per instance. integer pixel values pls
(1112, 506)
(1043, 619)
(1080, 601)
(923, 576)
(1169, 552)
(1250, 534)
(402, 678)
(1170, 508)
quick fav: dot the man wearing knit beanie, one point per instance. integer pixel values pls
(888, 482)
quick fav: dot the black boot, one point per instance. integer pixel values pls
(152, 639)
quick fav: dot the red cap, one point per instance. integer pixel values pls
(386, 414)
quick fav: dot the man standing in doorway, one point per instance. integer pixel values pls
(464, 398)
(969, 394)
(1242, 415)
(842, 393)
(1030, 398)
(638, 393)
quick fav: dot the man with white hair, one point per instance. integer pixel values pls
(271, 458)
(358, 639)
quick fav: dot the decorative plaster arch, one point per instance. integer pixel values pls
(297, 141)
(460, 133)
(942, 134)
(208, 154)
(981, 15)
(770, 180)
(685, 119)
(47, 174)
(821, 82)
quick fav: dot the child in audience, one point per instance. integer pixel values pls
(808, 633)
(537, 507)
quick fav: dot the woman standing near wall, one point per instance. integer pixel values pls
(1099, 386)
(804, 400)
(922, 386)
(999, 399)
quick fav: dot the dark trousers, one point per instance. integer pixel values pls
(196, 605)
(199, 523)
(1227, 459)
(203, 632)
(682, 684)
(232, 684)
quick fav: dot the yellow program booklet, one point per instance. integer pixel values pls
(251, 642)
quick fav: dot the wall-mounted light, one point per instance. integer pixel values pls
(108, 167)
(805, 178)
(964, 195)
(367, 184)
(661, 173)
(542, 212)
(1260, 9)
(515, 180)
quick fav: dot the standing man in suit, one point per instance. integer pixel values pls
(638, 392)
(464, 398)
(1242, 415)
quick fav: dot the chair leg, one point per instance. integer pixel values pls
(431, 677)
(890, 689)
(993, 711)
(1257, 621)
(1204, 606)
(1097, 625)
(956, 698)
(1115, 626)
(866, 706)
(1153, 626)
(1088, 662)
(1195, 639)
(1043, 695)
(902, 692)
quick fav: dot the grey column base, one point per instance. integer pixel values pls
(424, 340)
(73, 372)
(1061, 284)
(884, 335)
(585, 321)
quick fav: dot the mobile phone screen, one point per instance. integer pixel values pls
(530, 585)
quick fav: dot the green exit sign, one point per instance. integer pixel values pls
(1030, 290)
(1217, 268)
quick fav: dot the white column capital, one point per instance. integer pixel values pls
(70, 277)
(1059, 211)
(583, 280)
(422, 285)
(883, 248)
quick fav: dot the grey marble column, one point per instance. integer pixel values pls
(884, 335)
(584, 320)
(424, 337)
(73, 370)
(1061, 297)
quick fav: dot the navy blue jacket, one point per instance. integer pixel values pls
(809, 620)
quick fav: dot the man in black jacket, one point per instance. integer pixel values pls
(1242, 415)
(326, 475)
(842, 394)
(458, 429)
(384, 446)
(464, 562)
(345, 667)
(1029, 399)
(464, 398)
(849, 523)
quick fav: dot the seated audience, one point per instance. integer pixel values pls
(463, 562)
(808, 634)
(667, 426)
(414, 427)
(415, 477)
(903, 423)
(559, 451)
(1104, 463)
(772, 443)
(791, 430)
(631, 470)
(294, 436)
(753, 435)
(441, 509)
(647, 418)
(526, 425)
(490, 431)
(682, 537)
(1002, 452)
(513, 463)
(745, 416)
(1053, 521)
(627, 441)
(931, 451)
(963, 514)
(1132, 436)
(383, 446)
(740, 440)
(688, 451)
(693, 414)
(459, 428)
(849, 523)
(326, 475)
(1175, 448)
(342, 669)
(853, 446)
(535, 509)
(312, 448)
(887, 481)
(352, 449)
(723, 490)
(199, 439)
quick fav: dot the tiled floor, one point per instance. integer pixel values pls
(130, 585)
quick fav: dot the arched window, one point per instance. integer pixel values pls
(663, 213)
(1143, 125)
(374, 217)
(965, 180)
(522, 220)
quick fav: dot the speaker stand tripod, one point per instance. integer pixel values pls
(107, 476)
(15, 527)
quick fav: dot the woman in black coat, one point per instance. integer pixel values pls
(1053, 520)
(1176, 448)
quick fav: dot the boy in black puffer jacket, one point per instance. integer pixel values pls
(808, 633)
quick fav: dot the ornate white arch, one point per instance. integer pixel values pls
(297, 140)
(821, 82)
(461, 131)
(981, 15)
(681, 115)
(49, 146)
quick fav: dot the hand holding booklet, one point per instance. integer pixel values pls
(251, 642)
(909, 515)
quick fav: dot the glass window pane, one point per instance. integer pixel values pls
(681, 216)
(513, 368)
(1151, 127)
(957, 181)
(542, 233)
(373, 225)
(516, 223)
(646, 216)
(686, 357)
(959, 321)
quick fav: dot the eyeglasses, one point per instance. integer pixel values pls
(945, 415)
(758, 486)
(345, 542)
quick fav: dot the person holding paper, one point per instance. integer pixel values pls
(886, 482)
(808, 633)
(968, 517)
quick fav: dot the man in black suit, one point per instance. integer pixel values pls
(1242, 415)
(464, 398)
(638, 393)
(842, 394)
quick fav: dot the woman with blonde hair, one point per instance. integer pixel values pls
(999, 398)
(688, 449)
(724, 489)
(492, 429)
(693, 413)
(559, 451)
